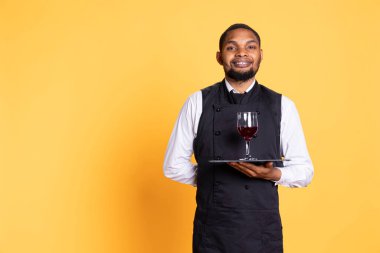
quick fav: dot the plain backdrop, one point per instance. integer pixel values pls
(90, 91)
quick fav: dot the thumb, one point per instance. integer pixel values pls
(268, 165)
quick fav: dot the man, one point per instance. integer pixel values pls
(237, 203)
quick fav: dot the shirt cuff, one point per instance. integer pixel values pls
(282, 179)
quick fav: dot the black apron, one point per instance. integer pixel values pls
(235, 213)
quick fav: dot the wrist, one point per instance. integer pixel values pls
(275, 174)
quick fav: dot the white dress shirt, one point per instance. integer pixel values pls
(297, 172)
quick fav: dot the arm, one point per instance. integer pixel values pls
(299, 171)
(177, 164)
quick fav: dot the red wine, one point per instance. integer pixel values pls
(247, 132)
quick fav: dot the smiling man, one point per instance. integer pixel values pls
(237, 203)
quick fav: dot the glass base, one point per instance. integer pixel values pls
(250, 158)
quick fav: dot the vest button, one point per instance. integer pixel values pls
(218, 109)
(217, 133)
(246, 187)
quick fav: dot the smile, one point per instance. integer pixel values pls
(241, 64)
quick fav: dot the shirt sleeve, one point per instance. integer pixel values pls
(299, 171)
(177, 163)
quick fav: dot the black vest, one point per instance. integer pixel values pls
(231, 205)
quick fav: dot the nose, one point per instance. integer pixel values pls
(241, 52)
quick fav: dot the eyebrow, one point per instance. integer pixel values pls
(235, 42)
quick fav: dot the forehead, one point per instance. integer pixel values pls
(240, 35)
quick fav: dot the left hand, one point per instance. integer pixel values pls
(266, 171)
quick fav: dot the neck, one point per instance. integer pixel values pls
(240, 86)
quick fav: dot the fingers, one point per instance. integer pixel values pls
(252, 170)
(248, 166)
(244, 169)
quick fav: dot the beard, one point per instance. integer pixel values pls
(241, 76)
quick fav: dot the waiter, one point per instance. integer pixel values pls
(237, 203)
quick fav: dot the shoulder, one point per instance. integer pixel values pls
(271, 97)
(195, 96)
(204, 95)
(195, 99)
(192, 102)
(269, 91)
(287, 104)
(209, 89)
(289, 111)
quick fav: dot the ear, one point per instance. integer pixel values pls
(262, 54)
(219, 58)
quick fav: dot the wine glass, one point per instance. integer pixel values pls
(247, 125)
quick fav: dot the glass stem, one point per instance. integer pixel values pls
(247, 148)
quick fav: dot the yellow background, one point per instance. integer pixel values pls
(90, 90)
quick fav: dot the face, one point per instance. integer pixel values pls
(240, 55)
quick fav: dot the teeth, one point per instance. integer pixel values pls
(242, 63)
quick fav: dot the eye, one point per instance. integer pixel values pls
(230, 48)
(252, 47)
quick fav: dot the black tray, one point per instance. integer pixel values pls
(249, 161)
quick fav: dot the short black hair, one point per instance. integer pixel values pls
(234, 27)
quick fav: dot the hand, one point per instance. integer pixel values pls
(266, 171)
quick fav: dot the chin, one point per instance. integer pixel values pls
(241, 74)
(246, 71)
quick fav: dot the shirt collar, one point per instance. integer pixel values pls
(230, 88)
